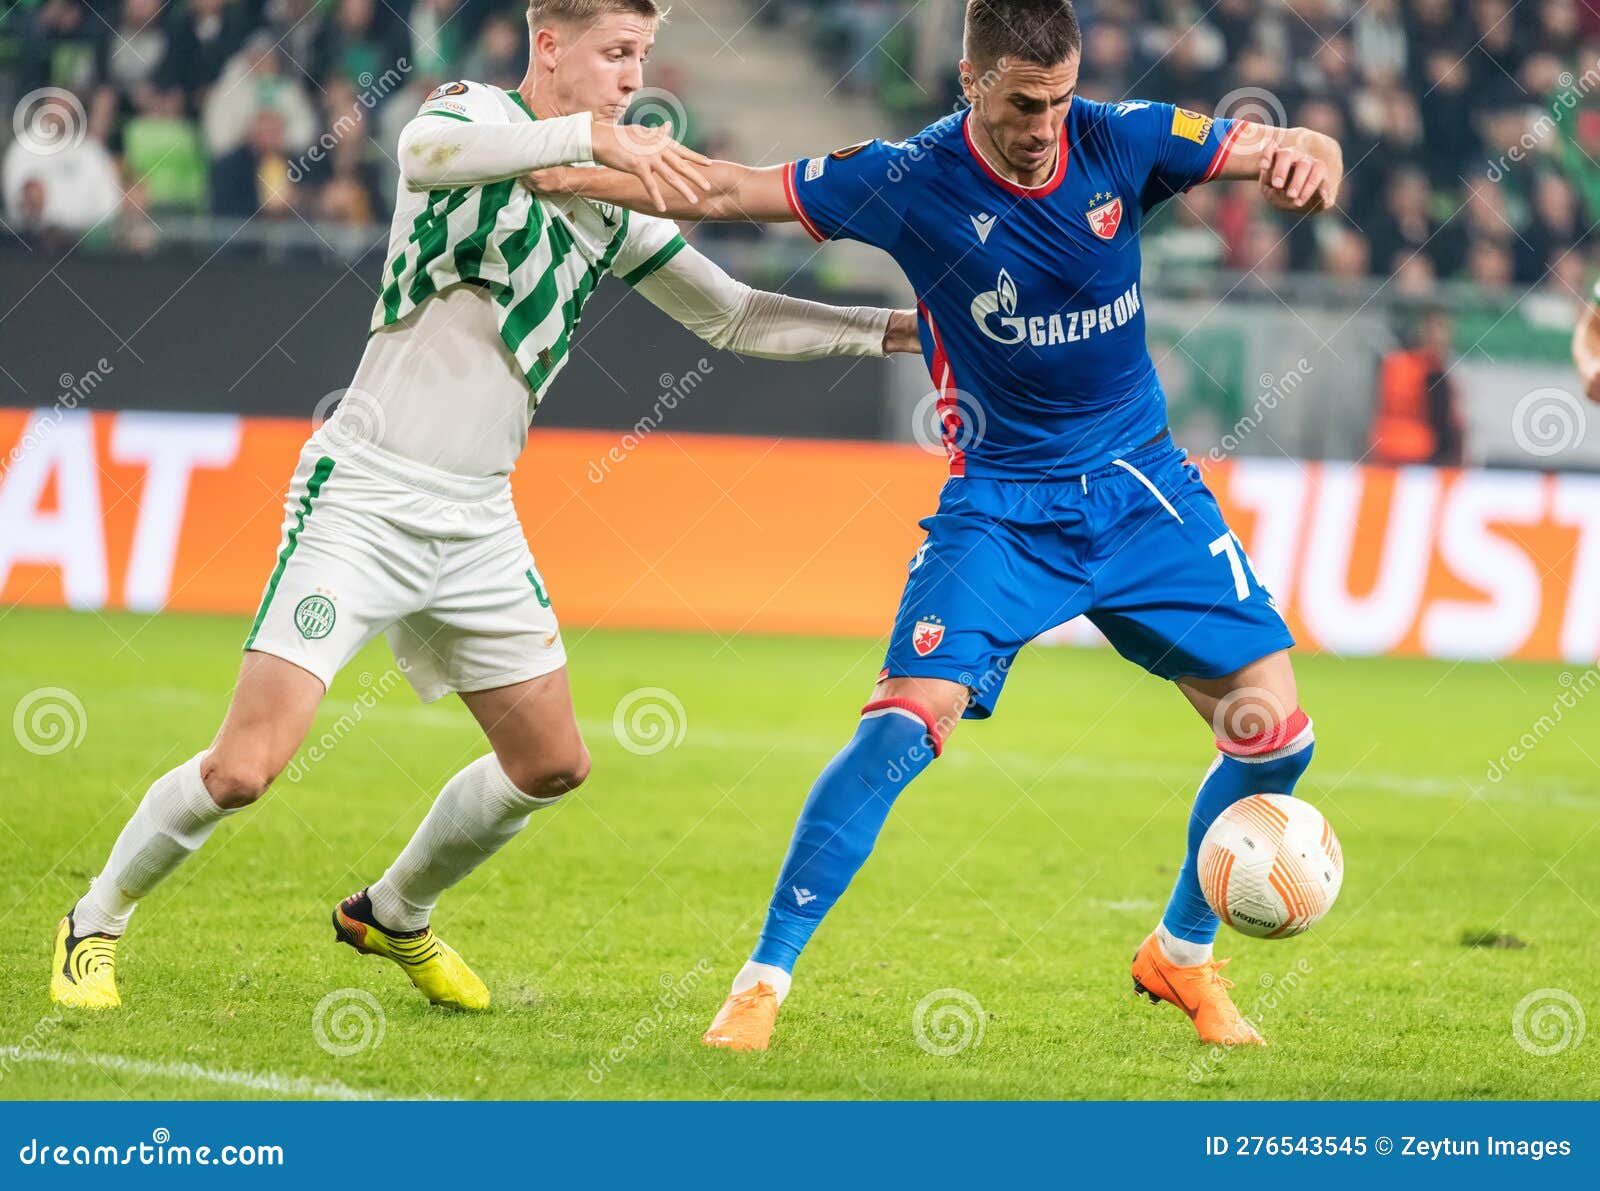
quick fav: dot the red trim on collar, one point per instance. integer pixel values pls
(1043, 190)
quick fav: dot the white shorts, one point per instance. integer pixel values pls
(374, 543)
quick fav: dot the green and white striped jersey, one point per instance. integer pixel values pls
(540, 257)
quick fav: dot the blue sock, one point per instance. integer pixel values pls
(840, 822)
(1232, 777)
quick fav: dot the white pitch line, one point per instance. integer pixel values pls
(1547, 793)
(268, 1082)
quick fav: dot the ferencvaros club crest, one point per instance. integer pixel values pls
(1105, 214)
(926, 636)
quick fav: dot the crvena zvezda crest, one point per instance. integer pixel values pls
(1106, 217)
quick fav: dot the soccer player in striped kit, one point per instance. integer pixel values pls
(399, 517)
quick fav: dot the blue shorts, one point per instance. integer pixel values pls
(1139, 547)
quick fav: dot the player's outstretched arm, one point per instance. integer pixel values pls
(732, 192)
(730, 315)
(437, 152)
(1299, 170)
(1586, 350)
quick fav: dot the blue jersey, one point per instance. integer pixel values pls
(1032, 316)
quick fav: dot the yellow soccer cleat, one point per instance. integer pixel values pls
(438, 972)
(85, 973)
(1200, 991)
(746, 1020)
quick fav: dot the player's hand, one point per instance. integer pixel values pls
(902, 334)
(653, 157)
(1294, 180)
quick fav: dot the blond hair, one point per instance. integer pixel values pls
(586, 12)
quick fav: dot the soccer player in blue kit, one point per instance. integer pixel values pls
(1017, 223)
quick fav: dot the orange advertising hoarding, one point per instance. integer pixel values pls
(181, 512)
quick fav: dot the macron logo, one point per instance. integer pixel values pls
(983, 224)
(802, 896)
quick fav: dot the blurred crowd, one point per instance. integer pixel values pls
(1471, 127)
(130, 110)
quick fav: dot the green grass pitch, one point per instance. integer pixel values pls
(1018, 876)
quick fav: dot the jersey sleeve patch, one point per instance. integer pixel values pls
(848, 151)
(445, 90)
(1191, 126)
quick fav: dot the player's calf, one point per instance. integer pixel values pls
(896, 739)
(1269, 762)
(1175, 963)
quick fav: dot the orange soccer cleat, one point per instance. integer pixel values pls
(1201, 991)
(745, 1020)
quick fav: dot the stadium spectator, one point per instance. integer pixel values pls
(137, 51)
(208, 34)
(252, 182)
(438, 29)
(356, 46)
(61, 46)
(252, 82)
(161, 150)
(1416, 419)
(501, 54)
(56, 175)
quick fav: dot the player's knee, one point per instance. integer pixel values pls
(236, 781)
(551, 775)
(1280, 754)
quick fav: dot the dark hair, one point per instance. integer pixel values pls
(1040, 31)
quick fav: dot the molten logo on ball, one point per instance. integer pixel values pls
(1271, 866)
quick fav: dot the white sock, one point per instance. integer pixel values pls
(1181, 951)
(176, 816)
(476, 814)
(753, 973)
